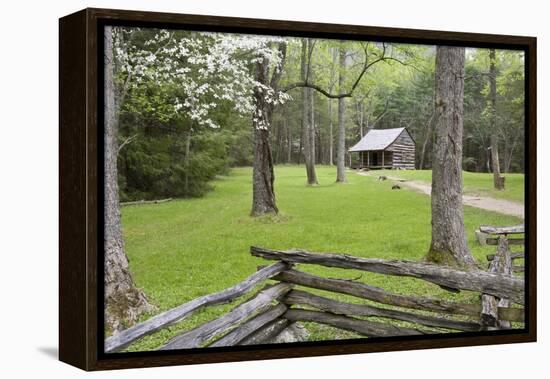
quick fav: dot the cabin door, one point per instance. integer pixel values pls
(374, 158)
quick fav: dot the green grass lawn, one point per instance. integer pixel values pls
(475, 183)
(187, 248)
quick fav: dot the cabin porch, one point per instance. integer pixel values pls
(375, 160)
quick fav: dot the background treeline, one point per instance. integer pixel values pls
(163, 153)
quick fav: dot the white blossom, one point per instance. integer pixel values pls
(205, 71)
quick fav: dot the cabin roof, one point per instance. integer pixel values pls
(377, 139)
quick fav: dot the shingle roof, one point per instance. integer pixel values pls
(377, 139)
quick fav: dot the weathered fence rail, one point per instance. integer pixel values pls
(479, 281)
(384, 297)
(126, 337)
(261, 303)
(501, 263)
(277, 306)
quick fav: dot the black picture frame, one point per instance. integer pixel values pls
(81, 184)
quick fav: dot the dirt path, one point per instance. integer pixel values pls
(506, 207)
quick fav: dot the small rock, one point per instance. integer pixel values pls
(294, 333)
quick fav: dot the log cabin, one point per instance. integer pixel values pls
(386, 149)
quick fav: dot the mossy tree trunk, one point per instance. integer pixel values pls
(448, 246)
(123, 302)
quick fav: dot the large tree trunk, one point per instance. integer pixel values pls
(427, 138)
(289, 141)
(330, 134)
(187, 159)
(341, 147)
(332, 82)
(307, 114)
(263, 193)
(123, 302)
(498, 181)
(509, 153)
(263, 178)
(448, 246)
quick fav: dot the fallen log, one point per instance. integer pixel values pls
(297, 297)
(516, 229)
(266, 334)
(142, 202)
(260, 303)
(502, 264)
(474, 280)
(363, 327)
(247, 328)
(126, 337)
(379, 295)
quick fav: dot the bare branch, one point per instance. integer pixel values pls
(381, 57)
(381, 114)
(126, 142)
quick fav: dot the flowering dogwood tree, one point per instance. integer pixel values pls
(211, 68)
(207, 69)
(197, 72)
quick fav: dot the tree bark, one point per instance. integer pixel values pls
(123, 302)
(330, 135)
(341, 147)
(307, 114)
(427, 138)
(263, 178)
(448, 246)
(187, 158)
(332, 82)
(498, 181)
(289, 141)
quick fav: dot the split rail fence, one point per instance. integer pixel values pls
(289, 299)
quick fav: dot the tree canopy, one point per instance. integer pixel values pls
(187, 104)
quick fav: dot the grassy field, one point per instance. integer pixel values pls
(191, 247)
(475, 183)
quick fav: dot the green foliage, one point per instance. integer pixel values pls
(153, 167)
(509, 110)
(398, 92)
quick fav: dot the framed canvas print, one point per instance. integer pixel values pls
(239, 189)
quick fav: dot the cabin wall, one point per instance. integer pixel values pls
(388, 158)
(403, 149)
